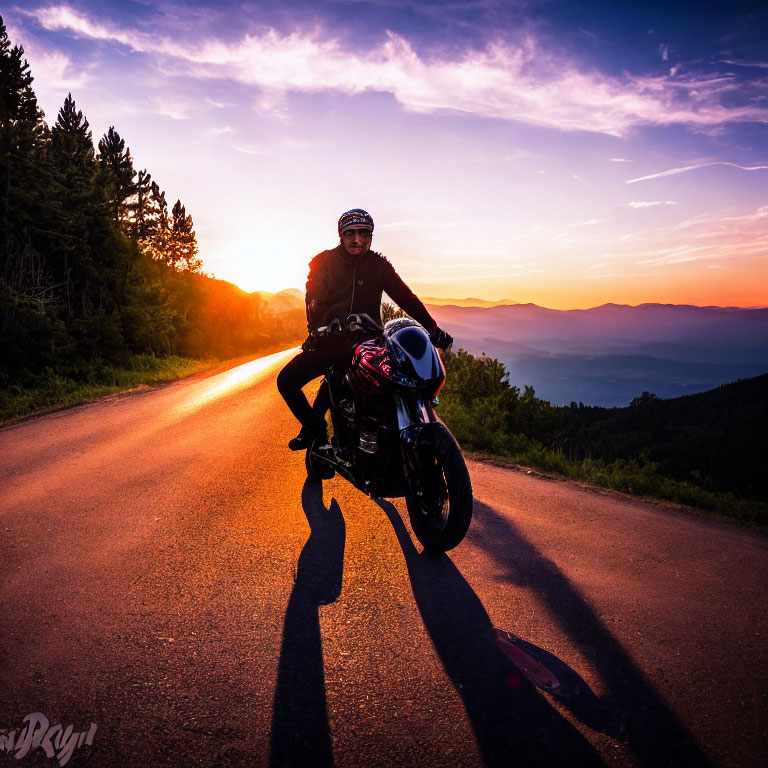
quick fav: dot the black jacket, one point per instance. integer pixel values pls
(339, 285)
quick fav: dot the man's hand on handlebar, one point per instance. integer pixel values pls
(441, 339)
(352, 324)
(310, 343)
(334, 328)
(362, 323)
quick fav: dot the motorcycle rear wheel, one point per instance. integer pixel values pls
(441, 521)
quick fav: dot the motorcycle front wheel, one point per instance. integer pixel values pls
(441, 515)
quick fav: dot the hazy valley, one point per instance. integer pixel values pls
(606, 355)
(611, 354)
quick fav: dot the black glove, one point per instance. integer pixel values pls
(441, 339)
(310, 343)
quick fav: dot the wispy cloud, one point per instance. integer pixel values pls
(252, 151)
(686, 168)
(56, 70)
(618, 276)
(736, 63)
(648, 203)
(63, 17)
(707, 238)
(521, 154)
(522, 81)
(680, 256)
(220, 104)
(176, 109)
(53, 69)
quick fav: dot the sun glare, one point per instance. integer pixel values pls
(265, 260)
(229, 382)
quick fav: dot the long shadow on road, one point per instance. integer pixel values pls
(300, 732)
(513, 723)
(638, 714)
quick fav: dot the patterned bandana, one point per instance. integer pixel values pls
(357, 217)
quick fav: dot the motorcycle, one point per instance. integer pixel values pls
(387, 439)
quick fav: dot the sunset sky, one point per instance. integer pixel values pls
(562, 153)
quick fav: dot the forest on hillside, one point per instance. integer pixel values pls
(96, 267)
(706, 450)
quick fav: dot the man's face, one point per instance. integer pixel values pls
(356, 240)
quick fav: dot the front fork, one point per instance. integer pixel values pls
(416, 418)
(414, 410)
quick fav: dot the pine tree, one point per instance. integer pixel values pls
(117, 166)
(79, 254)
(30, 331)
(22, 132)
(21, 120)
(182, 248)
(71, 137)
(153, 227)
(138, 209)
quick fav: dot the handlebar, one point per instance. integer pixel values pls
(353, 324)
(365, 326)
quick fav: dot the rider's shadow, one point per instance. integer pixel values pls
(513, 723)
(635, 712)
(300, 714)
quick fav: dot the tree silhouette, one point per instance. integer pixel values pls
(152, 223)
(22, 133)
(182, 249)
(71, 137)
(138, 206)
(117, 166)
(80, 218)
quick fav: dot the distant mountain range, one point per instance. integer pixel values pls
(611, 354)
(606, 355)
(467, 302)
(283, 301)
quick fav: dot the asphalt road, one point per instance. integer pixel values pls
(167, 573)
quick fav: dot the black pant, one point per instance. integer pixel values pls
(301, 370)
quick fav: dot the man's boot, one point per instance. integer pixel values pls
(306, 436)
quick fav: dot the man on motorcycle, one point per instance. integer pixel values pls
(347, 279)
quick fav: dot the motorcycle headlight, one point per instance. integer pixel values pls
(404, 380)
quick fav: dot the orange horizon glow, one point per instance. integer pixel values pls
(707, 286)
(565, 301)
(710, 287)
(698, 260)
